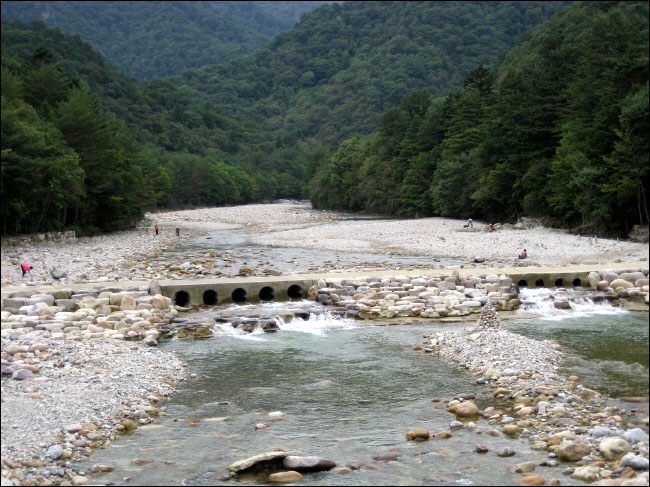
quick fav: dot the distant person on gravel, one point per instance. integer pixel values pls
(156, 229)
(523, 255)
(26, 269)
(178, 232)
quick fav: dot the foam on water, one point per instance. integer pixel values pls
(541, 300)
(317, 324)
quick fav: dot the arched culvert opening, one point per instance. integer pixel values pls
(239, 295)
(294, 292)
(539, 283)
(267, 293)
(522, 283)
(181, 298)
(577, 282)
(559, 282)
(210, 297)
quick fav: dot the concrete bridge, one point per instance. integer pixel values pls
(284, 288)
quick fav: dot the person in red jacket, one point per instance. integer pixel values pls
(156, 229)
(25, 268)
(523, 255)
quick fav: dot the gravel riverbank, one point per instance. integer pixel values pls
(127, 255)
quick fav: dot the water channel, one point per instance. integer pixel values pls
(350, 390)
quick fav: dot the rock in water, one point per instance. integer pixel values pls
(489, 317)
(247, 463)
(309, 464)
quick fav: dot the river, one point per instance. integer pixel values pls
(349, 391)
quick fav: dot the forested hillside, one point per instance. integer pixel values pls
(155, 39)
(250, 129)
(558, 130)
(345, 64)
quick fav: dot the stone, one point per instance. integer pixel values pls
(511, 429)
(531, 480)
(464, 409)
(245, 464)
(572, 451)
(129, 424)
(308, 464)
(586, 473)
(506, 452)
(443, 435)
(341, 470)
(79, 480)
(636, 462)
(150, 341)
(602, 285)
(22, 374)
(480, 449)
(635, 435)
(621, 283)
(523, 467)
(58, 274)
(290, 476)
(613, 448)
(127, 303)
(594, 279)
(417, 434)
(54, 452)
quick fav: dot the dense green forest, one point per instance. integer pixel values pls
(155, 39)
(248, 129)
(558, 130)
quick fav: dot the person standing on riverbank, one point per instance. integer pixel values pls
(178, 232)
(156, 229)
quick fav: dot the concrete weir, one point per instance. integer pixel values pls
(282, 288)
(186, 292)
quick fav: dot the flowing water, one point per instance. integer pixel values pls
(348, 392)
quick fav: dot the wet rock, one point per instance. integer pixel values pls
(443, 435)
(341, 470)
(286, 477)
(613, 448)
(523, 467)
(531, 480)
(245, 464)
(384, 458)
(464, 409)
(506, 452)
(480, 449)
(308, 464)
(419, 434)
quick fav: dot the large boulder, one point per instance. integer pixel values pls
(613, 448)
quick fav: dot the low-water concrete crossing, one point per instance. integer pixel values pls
(282, 288)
